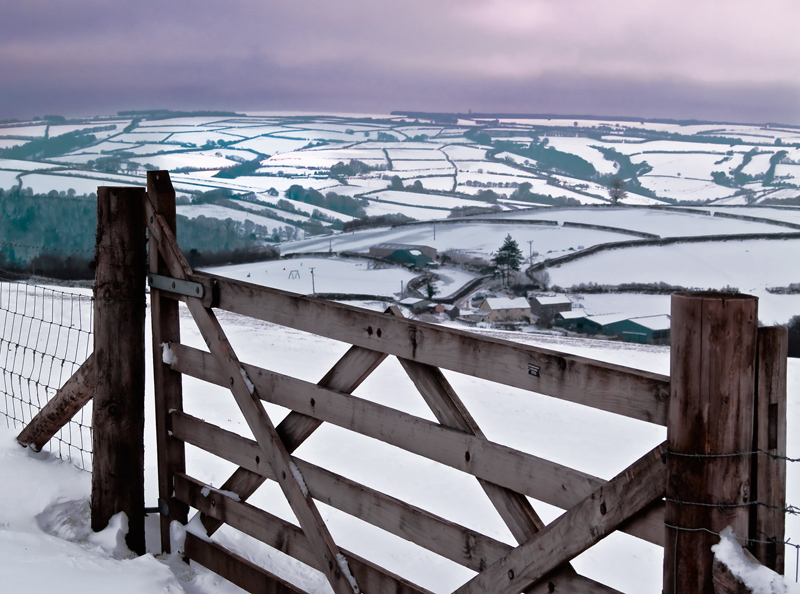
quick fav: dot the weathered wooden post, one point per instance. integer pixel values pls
(168, 384)
(118, 409)
(709, 431)
(768, 521)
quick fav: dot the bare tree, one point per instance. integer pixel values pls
(616, 189)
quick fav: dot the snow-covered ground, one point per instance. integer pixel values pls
(331, 275)
(661, 222)
(46, 544)
(471, 237)
(751, 266)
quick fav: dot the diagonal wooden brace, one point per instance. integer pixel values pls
(330, 559)
(290, 479)
(70, 398)
(515, 510)
(345, 376)
(597, 516)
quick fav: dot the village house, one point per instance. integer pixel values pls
(506, 309)
(547, 306)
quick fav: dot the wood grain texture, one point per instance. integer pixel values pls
(725, 582)
(767, 522)
(539, 478)
(237, 570)
(285, 537)
(248, 399)
(167, 383)
(713, 365)
(520, 472)
(68, 400)
(515, 510)
(582, 526)
(457, 543)
(346, 375)
(118, 406)
(637, 394)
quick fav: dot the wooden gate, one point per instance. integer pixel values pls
(721, 464)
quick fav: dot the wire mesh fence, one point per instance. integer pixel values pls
(45, 336)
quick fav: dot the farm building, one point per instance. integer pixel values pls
(475, 317)
(506, 309)
(418, 256)
(452, 311)
(548, 306)
(645, 330)
(577, 321)
(415, 304)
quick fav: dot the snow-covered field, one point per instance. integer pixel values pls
(471, 237)
(751, 266)
(331, 275)
(659, 222)
(44, 518)
(300, 148)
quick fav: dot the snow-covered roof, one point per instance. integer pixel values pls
(660, 322)
(397, 246)
(554, 300)
(507, 303)
(410, 301)
(572, 315)
(605, 319)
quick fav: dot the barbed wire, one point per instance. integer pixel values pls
(787, 509)
(742, 541)
(735, 455)
(45, 336)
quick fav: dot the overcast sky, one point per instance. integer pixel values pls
(731, 60)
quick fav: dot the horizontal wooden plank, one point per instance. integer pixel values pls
(248, 399)
(515, 509)
(393, 517)
(284, 536)
(236, 569)
(346, 375)
(614, 388)
(533, 476)
(594, 518)
(448, 539)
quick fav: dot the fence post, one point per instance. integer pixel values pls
(118, 409)
(167, 383)
(767, 522)
(710, 425)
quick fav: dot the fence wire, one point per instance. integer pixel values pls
(45, 336)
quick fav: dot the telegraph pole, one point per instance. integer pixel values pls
(313, 288)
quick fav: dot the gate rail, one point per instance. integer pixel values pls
(724, 406)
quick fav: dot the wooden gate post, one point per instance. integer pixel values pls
(168, 384)
(709, 431)
(118, 409)
(767, 522)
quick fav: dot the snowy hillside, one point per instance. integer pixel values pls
(430, 168)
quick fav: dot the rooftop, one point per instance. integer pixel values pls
(659, 322)
(552, 300)
(507, 303)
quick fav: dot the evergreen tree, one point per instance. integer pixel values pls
(508, 258)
